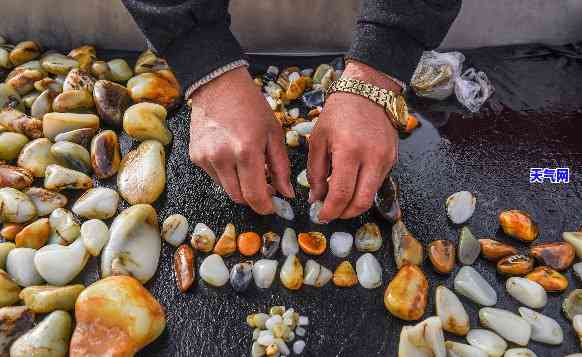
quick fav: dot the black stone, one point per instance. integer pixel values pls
(241, 276)
(314, 98)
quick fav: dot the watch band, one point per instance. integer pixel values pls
(394, 104)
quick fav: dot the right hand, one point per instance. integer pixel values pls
(233, 135)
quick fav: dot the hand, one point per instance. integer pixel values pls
(233, 135)
(355, 135)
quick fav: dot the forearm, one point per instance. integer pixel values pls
(391, 35)
(193, 35)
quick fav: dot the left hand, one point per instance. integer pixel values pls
(356, 137)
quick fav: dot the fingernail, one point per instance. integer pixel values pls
(310, 199)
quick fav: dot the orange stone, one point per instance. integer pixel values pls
(442, 256)
(558, 255)
(407, 294)
(550, 279)
(493, 250)
(249, 243)
(312, 243)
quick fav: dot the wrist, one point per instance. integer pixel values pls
(237, 65)
(363, 72)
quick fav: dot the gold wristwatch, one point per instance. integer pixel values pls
(394, 104)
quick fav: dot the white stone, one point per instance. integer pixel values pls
(578, 270)
(65, 224)
(469, 247)
(298, 347)
(15, 206)
(300, 331)
(58, 264)
(294, 112)
(451, 312)
(527, 292)
(202, 229)
(487, 341)
(314, 212)
(369, 271)
(428, 334)
(456, 349)
(303, 321)
(519, 352)
(50, 338)
(312, 269)
(324, 277)
(460, 206)
(506, 324)
(408, 349)
(302, 179)
(257, 350)
(272, 102)
(273, 70)
(289, 243)
(293, 76)
(304, 128)
(574, 238)
(577, 324)
(214, 271)
(264, 271)
(472, 285)
(134, 244)
(175, 229)
(273, 321)
(543, 328)
(341, 243)
(283, 348)
(98, 203)
(20, 267)
(95, 236)
(291, 274)
(283, 208)
(266, 340)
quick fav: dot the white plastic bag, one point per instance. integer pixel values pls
(473, 89)
(436, 74)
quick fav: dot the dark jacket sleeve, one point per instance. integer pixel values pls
(192, 35)
(391, 35)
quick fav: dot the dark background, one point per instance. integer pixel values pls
(533, 120)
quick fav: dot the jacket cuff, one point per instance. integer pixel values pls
(389, 50)
(202, 51)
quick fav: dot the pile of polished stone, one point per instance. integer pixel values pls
(59, 118)
(406, 295)
(297, 95)
(272, 332)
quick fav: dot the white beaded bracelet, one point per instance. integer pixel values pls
(215, 74)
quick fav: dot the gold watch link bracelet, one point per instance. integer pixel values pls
(394, 104)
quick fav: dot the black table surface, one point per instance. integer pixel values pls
(533, 120)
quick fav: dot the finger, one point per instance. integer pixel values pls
(317, 168)
(369, 180)
(253, 183)
(228, 179)
(342, 184)
(279, 167)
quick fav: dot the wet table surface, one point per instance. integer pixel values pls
(533, 120)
